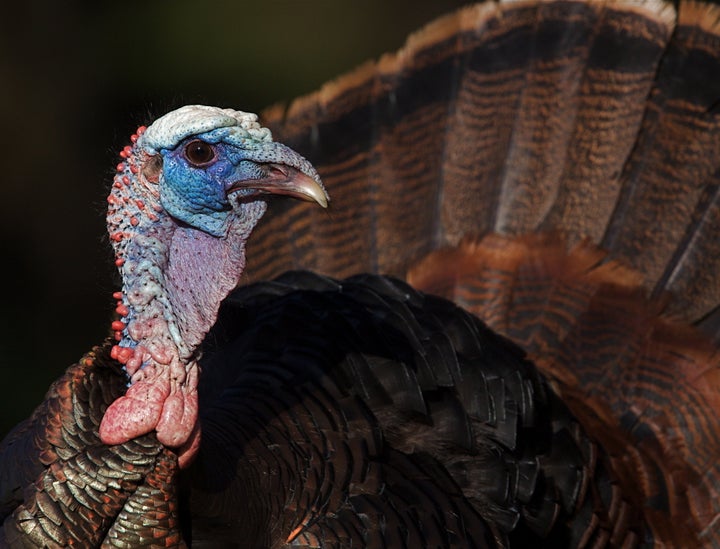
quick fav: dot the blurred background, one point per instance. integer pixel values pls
(76, 79)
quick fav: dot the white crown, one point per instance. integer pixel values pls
(167, 131)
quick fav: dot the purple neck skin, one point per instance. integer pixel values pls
(174, 278)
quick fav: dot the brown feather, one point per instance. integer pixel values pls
(643, 384)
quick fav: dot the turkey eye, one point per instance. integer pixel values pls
(199, 153)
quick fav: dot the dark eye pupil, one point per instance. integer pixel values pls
(199, 152)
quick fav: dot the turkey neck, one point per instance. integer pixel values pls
(174, 278)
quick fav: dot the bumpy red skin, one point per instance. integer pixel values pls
(161, 398)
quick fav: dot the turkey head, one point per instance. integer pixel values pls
(181, 208)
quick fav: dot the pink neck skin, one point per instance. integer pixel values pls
(174, 278)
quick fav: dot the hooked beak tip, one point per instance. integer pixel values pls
(286, 180)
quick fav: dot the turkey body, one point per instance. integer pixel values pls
(345, 413)
(550, 167)
(377, 416)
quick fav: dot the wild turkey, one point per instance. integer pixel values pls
(361, 412)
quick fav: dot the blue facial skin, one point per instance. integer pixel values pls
(198, 195)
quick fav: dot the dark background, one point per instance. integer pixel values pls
(76, 79)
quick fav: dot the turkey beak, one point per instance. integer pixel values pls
(284, 179)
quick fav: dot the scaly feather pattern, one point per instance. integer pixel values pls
(62, 487)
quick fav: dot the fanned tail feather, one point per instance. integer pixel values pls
(497, 138)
